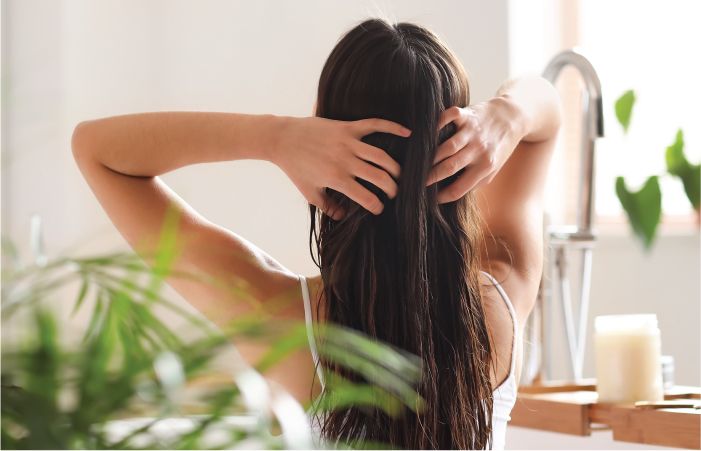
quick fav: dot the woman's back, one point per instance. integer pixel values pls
(504, 329)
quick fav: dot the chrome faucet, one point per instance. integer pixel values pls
(561, 238)
(593, 128)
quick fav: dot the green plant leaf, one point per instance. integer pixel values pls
(624, 109)
(679, 166)
(643, 207)
(692, 186)
(395, 359)
(676, 161)
(373, 372)
(168, 248)
(348, 395)
(111, 374)
(296, 339)
(81, 295)
(96, 318)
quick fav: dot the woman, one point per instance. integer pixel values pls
(399, 238)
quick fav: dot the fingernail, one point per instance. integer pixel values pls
(407, 132)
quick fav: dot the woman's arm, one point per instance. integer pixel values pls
(539, 105)
(512, 204)
(525, 109)
(122, 157)
(151, 144)
(505, 145)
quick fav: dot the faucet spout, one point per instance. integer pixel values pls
(593, 128)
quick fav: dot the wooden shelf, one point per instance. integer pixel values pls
(573, 408)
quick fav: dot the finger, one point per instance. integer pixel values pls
(376, 176)
(365, 127)
(481, 183)
(491, 177)
(453, 145)
(447, 116)
(361, 195)
(450, 165)
(378, 156)
(464, 184)
(485, 181)
(327, 205)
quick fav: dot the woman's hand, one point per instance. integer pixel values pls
(316, 153)
(486, 135)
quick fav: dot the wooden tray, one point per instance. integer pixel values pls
(573, 408)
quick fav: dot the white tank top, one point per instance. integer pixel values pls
(504, 394)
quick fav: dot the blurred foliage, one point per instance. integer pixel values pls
(128, 360)
(678, 165)
(624, 108)
(644, 206)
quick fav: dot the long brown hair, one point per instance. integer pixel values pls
(410, 275)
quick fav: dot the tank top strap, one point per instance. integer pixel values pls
(310, 330)
(514, 320)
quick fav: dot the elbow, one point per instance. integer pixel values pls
(80, 141)
(556, 110)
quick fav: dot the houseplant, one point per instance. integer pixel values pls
(128, 361)
(644, 206)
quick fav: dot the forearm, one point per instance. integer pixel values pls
(150, 144)
(538, 105)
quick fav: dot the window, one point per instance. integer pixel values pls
(651, 47)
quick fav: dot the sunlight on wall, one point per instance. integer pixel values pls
(651, 47)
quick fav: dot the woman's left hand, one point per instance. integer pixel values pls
(487, 133)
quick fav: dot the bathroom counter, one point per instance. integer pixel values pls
(569, 408)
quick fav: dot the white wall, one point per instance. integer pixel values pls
(73, 60)
(627, 280)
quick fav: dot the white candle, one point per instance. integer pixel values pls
(628, 351)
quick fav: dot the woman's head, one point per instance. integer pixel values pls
(408, 276)
(400, 72)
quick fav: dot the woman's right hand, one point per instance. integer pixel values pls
(316, 153)
(487, 133)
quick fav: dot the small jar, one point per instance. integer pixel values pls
(628, 358)
(667, 372)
